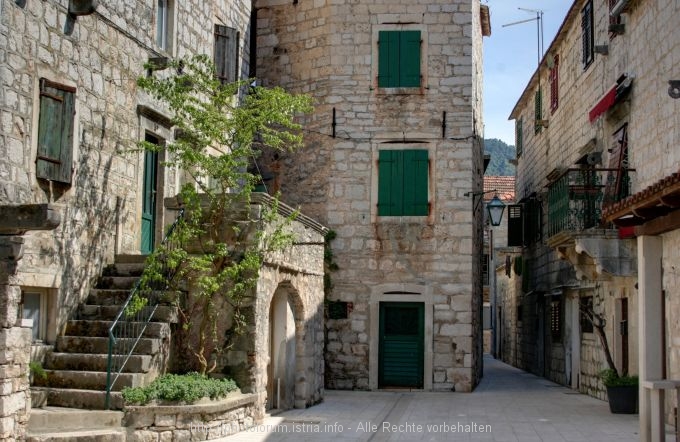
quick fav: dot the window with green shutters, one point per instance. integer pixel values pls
(399, 59)
(538, 111)
(519, 137)
(587, 34)
(403, 183)
(55, 132)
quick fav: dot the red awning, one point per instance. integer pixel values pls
(605, 103)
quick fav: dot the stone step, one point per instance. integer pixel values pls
(94, 344)
(54, 419)
(78, 327)
(107, 297)
(77, 398)
(124, 269)
(130, 259)
(97, 435)
(117, 282)
(164, 313)
(94, 362)
(88, 380)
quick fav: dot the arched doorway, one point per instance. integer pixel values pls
(282, 351)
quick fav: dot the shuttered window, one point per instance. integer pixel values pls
(556, 321)
(587, 34)
(519, 137)
(403, 182)
(226, 53)
(554, 84)
(538, 110)
(515, 226)
(55, 132)
(399, 59)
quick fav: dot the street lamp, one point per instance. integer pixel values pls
(495, 207)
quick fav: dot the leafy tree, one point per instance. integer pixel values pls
(219, 245)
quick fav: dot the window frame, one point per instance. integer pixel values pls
(165, 25)
(41, 325)
(394, 185)
(59, 167)
(587, 35)
(375, 64)
(226, 47)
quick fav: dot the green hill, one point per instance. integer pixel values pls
(500, 154)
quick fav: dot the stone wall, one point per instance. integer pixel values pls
(329, 50)
(202, 421)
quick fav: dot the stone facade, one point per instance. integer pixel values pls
(589, 119)
(330, 50)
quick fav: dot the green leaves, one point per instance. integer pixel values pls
(187, 388)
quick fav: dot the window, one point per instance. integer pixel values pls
(538, 111)
(586, 308)
(554, 84)
(515, 226)
(403, 182)
(485, 269)
(399, 59)
(226, 53)
(33, 307)
(164, 23)
(556, 320)
(55, 132)
(519, 138)
(587, 34)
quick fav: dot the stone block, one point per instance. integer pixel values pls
(144, 436)
(164, 420)
(12, 403)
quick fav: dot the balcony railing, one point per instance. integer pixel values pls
(576, 197)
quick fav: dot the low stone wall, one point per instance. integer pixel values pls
(203, 421)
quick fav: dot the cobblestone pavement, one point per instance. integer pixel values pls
(508, 405)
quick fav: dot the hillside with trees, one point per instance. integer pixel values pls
(500, 153)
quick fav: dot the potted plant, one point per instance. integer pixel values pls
(622, 389)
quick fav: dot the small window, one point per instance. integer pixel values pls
(538, 111)
(515, 226)
(485, 269)
(554, 84)
(556, 321)
(403, 183)
(226, 53)
(33, 307)
(399, 59)
(55, 132)
(587, 34)
(164, 24)
(586, 309)
(519, 137)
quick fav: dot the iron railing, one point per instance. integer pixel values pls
(576, 197)
(130, 323)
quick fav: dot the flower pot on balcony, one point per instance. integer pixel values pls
(623, 399)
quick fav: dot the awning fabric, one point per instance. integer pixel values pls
(605, 103)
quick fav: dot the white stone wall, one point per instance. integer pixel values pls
(329, 49)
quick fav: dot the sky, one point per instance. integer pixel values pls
(511, 57)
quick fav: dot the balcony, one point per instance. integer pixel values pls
(575, 228)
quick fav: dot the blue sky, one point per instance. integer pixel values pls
(510, 57)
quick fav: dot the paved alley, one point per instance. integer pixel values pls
(509, 405)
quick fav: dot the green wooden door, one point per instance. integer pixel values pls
(401, 347)
(149, 197)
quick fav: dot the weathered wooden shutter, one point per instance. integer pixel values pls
(416, 165)
(409, 60)
(515, 225)
(226, 53)
(538, 110)
(554, 84)
(55, 132)
(388, 59)
(387, 169)
(519, 137)
(587, 33)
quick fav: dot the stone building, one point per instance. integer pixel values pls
(596, 134)
(393, 147)
(75, 197)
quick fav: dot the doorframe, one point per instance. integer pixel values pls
(420, 306)
(406, 293)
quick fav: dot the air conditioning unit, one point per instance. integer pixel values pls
(82, 7)
(602, 49)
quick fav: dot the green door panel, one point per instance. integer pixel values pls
(401, 346)
(149, 198)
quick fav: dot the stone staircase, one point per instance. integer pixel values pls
(57, 424)
(76, 369)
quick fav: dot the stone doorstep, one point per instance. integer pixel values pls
(77, 398)
(95, 435)
(54, 419)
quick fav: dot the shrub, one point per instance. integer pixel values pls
(187, 388)
(610, 378)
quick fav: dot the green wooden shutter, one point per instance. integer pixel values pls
(226, 53)
(409, 59)
(386, 166)
(55, 132)
(388, 59)
(538, 110)
(415, 182)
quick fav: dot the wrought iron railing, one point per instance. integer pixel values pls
(576, 197)
(131, 323)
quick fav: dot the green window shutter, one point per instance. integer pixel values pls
(409, 59)
(226, 53)
(415, 183)
(388, 59)
(538, 110)
(519, 141)
(386, 167)
(55, 132)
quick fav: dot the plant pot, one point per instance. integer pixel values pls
(623, 399)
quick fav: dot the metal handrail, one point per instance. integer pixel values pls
(127, 330)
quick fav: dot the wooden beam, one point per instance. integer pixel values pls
(651, 212)
(659, 225)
